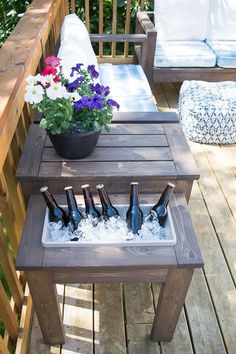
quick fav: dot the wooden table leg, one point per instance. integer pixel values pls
(171, 300)
(46, 306)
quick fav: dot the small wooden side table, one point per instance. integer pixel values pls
(173, 266)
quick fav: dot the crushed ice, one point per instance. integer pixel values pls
(114, 230)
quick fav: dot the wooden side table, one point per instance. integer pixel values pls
(149, 148)
(173, 266)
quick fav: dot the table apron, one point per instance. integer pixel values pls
(111, 276)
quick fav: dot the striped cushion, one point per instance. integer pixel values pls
(183, 54)
(225, 53)
(129, 87)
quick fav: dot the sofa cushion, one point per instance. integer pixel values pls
(181, 20)
(129, 87)
(183, 54)
(225, 53)
(75, 45)
(207, 111)
(222, 20)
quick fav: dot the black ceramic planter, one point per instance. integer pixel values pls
(75, 145)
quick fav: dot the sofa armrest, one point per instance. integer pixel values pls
(145, 53)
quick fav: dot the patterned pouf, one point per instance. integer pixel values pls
(207, 111)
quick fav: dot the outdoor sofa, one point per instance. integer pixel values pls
(188, 40)
(128, 83)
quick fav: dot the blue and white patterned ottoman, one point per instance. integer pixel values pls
(207, 111)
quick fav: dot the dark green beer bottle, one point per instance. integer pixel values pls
(90, 208)
(108, 210)
(134, 215)
(56, 213)
(160, 207)
(74, 215)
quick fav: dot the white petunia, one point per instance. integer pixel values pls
(31, 80)
(34, 94)
(56, 90)
(48, 79)
(75, 95)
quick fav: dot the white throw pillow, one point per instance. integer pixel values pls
(181, 19)
(222, 20)
(75, 45)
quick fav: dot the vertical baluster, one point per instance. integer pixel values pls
(7, 315)
(7, 265)
(127, 27)
(72, 6)
(3, 347)
(142, 4)
(7, 212)
(100, 29)
(114, 27)
(87, 16)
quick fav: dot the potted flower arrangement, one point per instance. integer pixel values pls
(75, 107)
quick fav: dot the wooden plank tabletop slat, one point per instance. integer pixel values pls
(187, 249)
(134, 117)
(145, 117)
(127, 140)
(184, 161)
(133, 140)
(108, 170)
(124, 128)
(32, 153)
(30, 251)
(116, 154)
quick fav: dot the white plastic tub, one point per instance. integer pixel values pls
(170, 239)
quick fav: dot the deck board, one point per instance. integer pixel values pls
(207, 323)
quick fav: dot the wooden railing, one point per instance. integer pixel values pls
(34, 37)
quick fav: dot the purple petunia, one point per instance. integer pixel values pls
(82, 103)
(71, 87)
(99, 89)
(113, 103)
(75, 68)
(94, 102)
(92, 71)
(97, 102)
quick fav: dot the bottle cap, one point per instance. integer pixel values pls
(171, 184)
(85, 186)
(134, 183)
(43, 189)
(69, 187)
(100, 186)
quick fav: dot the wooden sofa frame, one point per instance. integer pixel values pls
(145, 56)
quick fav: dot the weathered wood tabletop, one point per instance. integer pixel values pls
(173, 266)
(151, 153)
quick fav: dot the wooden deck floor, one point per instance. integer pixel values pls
(110, 319)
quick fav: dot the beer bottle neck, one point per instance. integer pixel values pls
(88, 197)
(166, 195)
(50, 201)
(134, 195)
(71, 201)
(105, 200)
